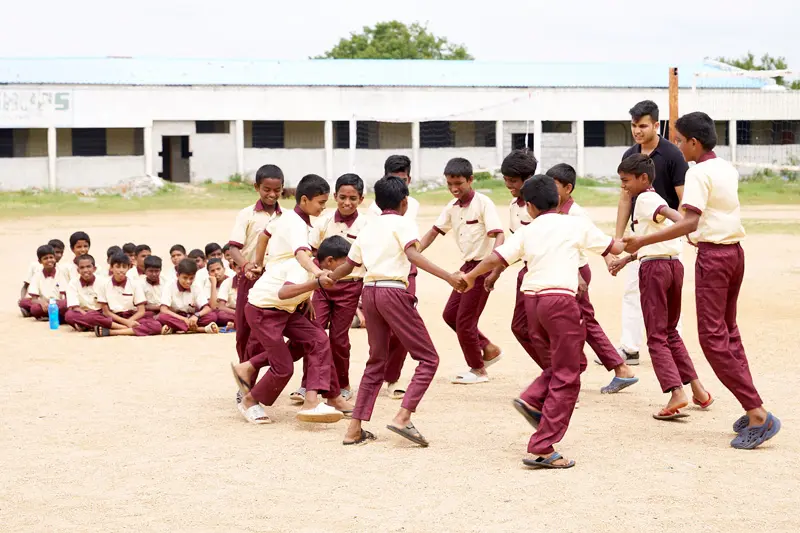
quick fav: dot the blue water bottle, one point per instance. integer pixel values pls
(52, 311)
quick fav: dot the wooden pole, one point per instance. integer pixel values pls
(673, 101)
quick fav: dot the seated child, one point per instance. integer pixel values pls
(83, 311)
(184, 307)
(129, 249)
(137, 267)
(79, 243)
(221, 293)
(45, 284)
(176, 254)
(214, 251)
(226, 255)
(36, 266)
(199, 258)
(111, 252)
(122, 300)
(152, 283)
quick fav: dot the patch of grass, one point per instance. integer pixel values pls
(764, 189)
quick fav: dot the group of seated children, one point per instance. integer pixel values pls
(133, 296)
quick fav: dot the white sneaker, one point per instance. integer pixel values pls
(322, 413)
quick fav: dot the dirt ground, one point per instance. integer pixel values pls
(143, 435)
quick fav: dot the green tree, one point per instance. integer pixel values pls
(748, 62)
(395, 40)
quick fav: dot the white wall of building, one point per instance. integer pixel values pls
(23, 173)
(213, 156)
(295, 162)
(91, 172)
(433, 160)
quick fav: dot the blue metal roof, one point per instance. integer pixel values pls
(352, 73)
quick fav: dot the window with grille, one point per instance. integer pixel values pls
(550, 126)
(268, 134)
(436, 134)
(212, 126)
(89, 142)
(6, 143)
(518, 141)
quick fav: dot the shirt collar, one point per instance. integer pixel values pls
(658, 145)
(520, 201)
(140, 271)
(566, 206)
(261, 207)
(180, 287)
(467, 201)
(302, 215)
(89, 283)
(156, 283)
(706, 156)
(549, 212)
(390, 212)
(348, 220)
(219, 281)
(118, 284)
(50, 274)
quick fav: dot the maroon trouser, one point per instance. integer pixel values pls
(269, 326)
(393, 311)
(334, 310)
(719, 271)
(87, 320)
(37, 311)
(147, 324)
(462, 312)
(179, 325)
(225, 316)
(397, 352)
(519, 322)
(660, 288)
(555, 328)
(595, 336)
(246, 344)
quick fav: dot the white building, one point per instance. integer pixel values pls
(73, 123)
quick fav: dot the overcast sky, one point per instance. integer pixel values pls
(524, 30)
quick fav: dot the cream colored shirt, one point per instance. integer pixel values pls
(647, 219)
(152, 293)
(120, 298)
(329, 224)
(411, 213)
(551, 246)
(249, 224)
(133, 273)
(200, 279)
(712, 191)
(227, 293)
(183, 301)
(571, 208)
(70, 271)
(475, 224)
(264, 293)
(36, 266)
(287, 235)
(381, 247)
(82, 296)
(47, 286)
(518, 215)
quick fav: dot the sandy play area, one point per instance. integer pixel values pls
(130, 434)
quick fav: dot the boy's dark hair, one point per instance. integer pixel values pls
(267, 172)
(152, 261)
(215, 261)
(541, 191)
(335, 247)
(187, 266)
(226, 247)
(519, 164)
(698, 126)
(212, 247)
(194, 254)
(638, 164)
(644, 108)
(397, 163)
(113, 250)
(58, 244)
(141, 248)
(79, 236)
(353, 180)
(311, 186)
(43, 250)
(85, 257)
(129, 248)
(458, 167)
(389, 192)
(564, 173)
(179, 247)
(120, 258)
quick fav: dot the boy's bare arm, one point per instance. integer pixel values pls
(112, 315)
(623, 212)
(344, 270)
(291, 290)
(428, 239)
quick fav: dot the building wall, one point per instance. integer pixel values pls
(295, 163)
(30, 142)
(433, 160)
(558, 148)
(64, 142)
(306, 134)
(394, 135)
(91, 172)
(368, 163)
(17, 173)
(213, 156)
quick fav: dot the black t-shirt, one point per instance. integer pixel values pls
(671, 169)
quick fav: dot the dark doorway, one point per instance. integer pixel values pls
(175, 154)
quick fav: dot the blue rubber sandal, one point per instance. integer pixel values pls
(617, 384)
(547, 462)
(531, 415)
(754, 436)
(740, 424)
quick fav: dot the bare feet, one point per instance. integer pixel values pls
(353, 432)
(245, 371)
(341, 404)
(678, 400)
(491, 352)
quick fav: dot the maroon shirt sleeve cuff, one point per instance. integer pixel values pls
(494, 232)
(235, 244)
(658, 212)
(609, 248)
(439, 230)
(502, 259)
(693, 209)
(306, 248)
(409, 244)
(353, 262)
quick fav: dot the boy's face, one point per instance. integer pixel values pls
(132, 257)
(329, 263)
(459, 186)
(564, 191)
(86, 269)
(48, 261)
(269, 190)
(644, 130)
(200, 262)
(59, 253)
(348, 199)
(227, 255)
(514, 185)
(690, 148)
(217, 271)
(634, 185)
(315, 206)
(403, 176)
(153, 275)
(81, 247)
(144, 254)
(118, 271)
(215, 255)
(177, 256)
(186, 280)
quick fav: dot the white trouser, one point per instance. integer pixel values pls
(632, 321)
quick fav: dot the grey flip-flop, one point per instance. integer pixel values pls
(618, 384)
(533, 417)
(365, 437)
(547, 462)
(410, 432)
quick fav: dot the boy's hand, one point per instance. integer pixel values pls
(253, 271)
(469, 282)
(618, 264)
(456, 281)
(491, 279)
(632, 244)
(582, 286)
(325, 281)
(131, 323)
(192, 322)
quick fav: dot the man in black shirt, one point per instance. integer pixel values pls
(671, 170)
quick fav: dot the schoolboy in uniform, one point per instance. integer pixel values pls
(249, 225)
(122, 300)
(79, 243)
(45, 284)
(386, 247)
(177, 253)
(184, 306)
(712, 220)
(219, 292)
(565, 178)
(137, 268)
(551, 244)
(129, 249)
(153, 283)
(476, 225)
(214, 251)
(83, 311)
(199, 258)
(661, 284)
(110, 253)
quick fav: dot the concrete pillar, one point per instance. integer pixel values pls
(498, 136)
(415, 162)
(537, 139)
(732, 140)
(352, 152)
(329, 151)
(148, 150)
(52, 153)
(579, 134)
(238, 130)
